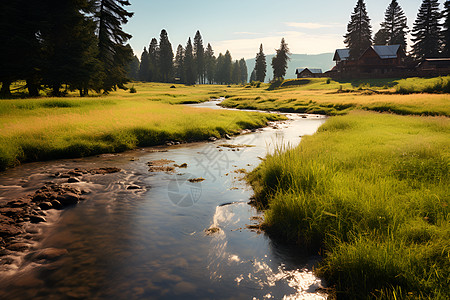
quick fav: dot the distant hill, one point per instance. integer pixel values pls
(320, 61)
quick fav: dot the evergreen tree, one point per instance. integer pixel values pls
(179, 65)
(394, 25)
(144, 67)
(427, 31)
(199, 55)
(210, 64)
(189, 66)
(253, 76)
(165, 57)
(69, 46)
(446, 30)
(359, 33)
(153, 61)
(134, 68)
(243, 71)
(381, 37)
(279, 61)
(20, 49)
(219, 74)
(236, 73)
(226, 69)
(115, 56)
(260, 65)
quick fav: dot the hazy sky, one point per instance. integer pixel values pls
(309, 27)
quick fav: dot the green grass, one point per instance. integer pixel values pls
(421, 85)
(371, 191)
(51, 128)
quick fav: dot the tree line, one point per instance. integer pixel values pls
(431, 30)
(64, 45)
(190, 65)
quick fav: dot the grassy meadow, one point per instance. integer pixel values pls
(369, 190)
(49, 128)
(317, 96)
(372, 191)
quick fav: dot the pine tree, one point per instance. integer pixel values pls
(227, 67)
(189, 71)
(381, 37)
(236, 73)
(210, 64)
(199, 56)
(219, 74)
(359, 33)
(144, 67)
(253, 76)
(279, 61)
(133, 68)
(446, 30)
(115, 56)
(260, 65)
(69, 47)
(243, 71)
(427, 31)
(153, 61)
(165, 57)
(20, 46)
(395, 25)
(179, 64)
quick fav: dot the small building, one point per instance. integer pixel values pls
(436, 66)
(308, 73)
(375, 62)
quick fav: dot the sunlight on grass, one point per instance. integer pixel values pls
(372, 191)
(50, 128)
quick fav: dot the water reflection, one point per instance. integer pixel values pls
(152, 241)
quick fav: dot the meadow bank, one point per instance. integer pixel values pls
(369, 191)
(51, 128)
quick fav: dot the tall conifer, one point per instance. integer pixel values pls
(179, 64)
(199, 56)
(210, 64)
(243, 71)
(110, 15)
(446, 30)
(165, 57)
(279, 61)
(189, 71)
(427, 31)
(260, 65)
(359, 33)
(394, 26)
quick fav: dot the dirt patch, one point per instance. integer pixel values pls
(232, 146)
(161, 165)
(194, 180)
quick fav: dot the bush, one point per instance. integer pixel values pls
(133, 90)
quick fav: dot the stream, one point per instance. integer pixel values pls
(142, 234)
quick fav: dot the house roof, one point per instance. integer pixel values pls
(314, 71)
(387, 51)
(341, 54)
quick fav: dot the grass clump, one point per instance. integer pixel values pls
(371, 191)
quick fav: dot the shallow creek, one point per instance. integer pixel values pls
(165, 237)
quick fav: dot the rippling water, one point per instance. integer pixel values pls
(153, 242)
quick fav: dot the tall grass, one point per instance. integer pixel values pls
(371, 191)
(50, 128)
(421, 85)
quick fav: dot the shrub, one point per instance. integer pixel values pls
(133, 90)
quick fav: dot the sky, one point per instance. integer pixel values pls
(240, 26)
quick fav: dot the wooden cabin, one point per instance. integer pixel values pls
(375, 62)
(308, 73)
